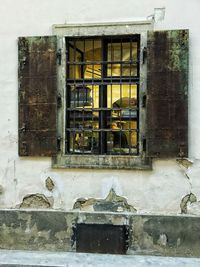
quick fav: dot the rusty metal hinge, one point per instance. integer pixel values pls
(181, 153)
(59, 56)
(144, 55)
(23, 150)
(58, 143)
(144, 101)
(59, 101)
(144, 144)
(23, 128)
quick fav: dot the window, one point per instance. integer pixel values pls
(104, 96)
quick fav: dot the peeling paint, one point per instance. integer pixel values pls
(35, 201)
(112, 202)
(49, 184)
(185, 162)
(190, 198)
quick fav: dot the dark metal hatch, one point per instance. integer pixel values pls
(101, 238)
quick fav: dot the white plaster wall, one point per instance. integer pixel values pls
(157, 191)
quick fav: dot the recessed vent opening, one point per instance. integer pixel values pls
(101, 238)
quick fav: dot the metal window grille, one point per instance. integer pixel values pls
(102, 98)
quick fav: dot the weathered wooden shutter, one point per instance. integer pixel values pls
(167, 93)
(37, 96)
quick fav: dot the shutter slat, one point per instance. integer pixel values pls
(37, 96)
(167, 93)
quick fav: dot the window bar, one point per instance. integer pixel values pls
(93, 60)
(138, 88)
(73, 103)
(137, 120)
(129, 123)
(68, 96)
(74, 120)
(120, 119)
(73, 141)
(67, 143)
(82, 131)
(105, 81)
(131, 52)
(111, 111)
(129, 100)
(74, 95)
(138, 58)
(111, 92)
(74, 87)
(103, 103)
(74, 60)
(84, 99)
(92, 139)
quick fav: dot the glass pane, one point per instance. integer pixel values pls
(118, 53)
(124, 51)
(84, 142)
(120, 141)
(114, 52)
(84, 57)
(75, 56)
(123, 118)
(122, 96)
(125, 70)
(84, 96)
(93, 57)
(84, 120)
(129, 69)
(92, 71)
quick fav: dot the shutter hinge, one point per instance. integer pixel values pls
(144, 144)
(144, 101)
(144, 55)
(181, 151)
(23, 128)
(59, 101)
(58, 143)
(59, 56)
(23, 149)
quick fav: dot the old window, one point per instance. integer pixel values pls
(102, 95)
(104, 101)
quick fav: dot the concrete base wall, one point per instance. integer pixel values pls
(54, 231)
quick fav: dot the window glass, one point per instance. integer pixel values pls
(102, 95)
(124, 58)
(84, 59)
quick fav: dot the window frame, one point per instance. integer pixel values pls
(63, 160)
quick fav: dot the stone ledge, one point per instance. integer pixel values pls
(50, 230)
(44, 259)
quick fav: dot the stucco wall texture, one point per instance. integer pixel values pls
(159, 191)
